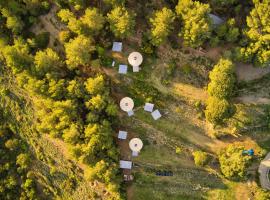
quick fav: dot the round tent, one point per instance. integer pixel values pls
(126, 104)
(135, 144)
(135, 59)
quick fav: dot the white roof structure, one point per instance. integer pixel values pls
(136, 69)
(135, 59)
(126, 104)
(216, 20)
(156, 114)
(135, 153)
(117, 46)
(113, 63)
(125, 164)
(149, 107)
(130, 113)
(135, 144)
(122, 135)
(122, 69)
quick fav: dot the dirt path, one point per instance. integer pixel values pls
(51, 24)
(246, 72)
(248, 99)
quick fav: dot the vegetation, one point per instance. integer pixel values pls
(59, 119)
(233, 163)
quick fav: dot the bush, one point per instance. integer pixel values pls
(200, 158)
(64, 36)
(233, 163)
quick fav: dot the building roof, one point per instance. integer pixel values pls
(135, 59)
(126, 104)
(135, 144)
(149, 107)
(125, 164)
(122, 135)
(117, 46)
(156, 114)
(216, 20)
(122, 69)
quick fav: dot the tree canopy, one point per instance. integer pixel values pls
(195, 20)
(122, 22)
(161, 23)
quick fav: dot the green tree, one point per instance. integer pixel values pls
(233, 163)
(217, 110)
(17, 57)
(258, 34)
(95, 85)
(121, 21)
(78, 51)
(23, 160)
(47, 61)
(93, 20)
(196, 22)
(222, 79)
(161, 24)
(65, 15)
(200, 158)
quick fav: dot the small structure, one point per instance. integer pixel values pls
(117, 46)
(156, 114)
(135, 144)
(249, 152)
(216, 21)
(130, 113)
(113, 63)
(125, 164)
(122, 135)
(149, 107)
(136, 68)
(122, 69)
(126, 104)
(135, 59)
(135, 153)
(128, 177)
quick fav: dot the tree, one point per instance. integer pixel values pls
(217, 110)
(17, 56)
(233, 163)
(258, 34)
(97, 103)
(23, 160)
(13, 22)
(47, 61)
(161, 24)
(72, 134)
(196, 22)
(65, 15)
(78, 51)
(95, 85)
(200, 158)
(121, 21)
(93, 20)
(222, 80)
(228, 31)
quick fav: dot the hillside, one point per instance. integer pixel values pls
(65, 67)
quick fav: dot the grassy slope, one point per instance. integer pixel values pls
(179, 127)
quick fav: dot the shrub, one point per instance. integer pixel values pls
(200, 158)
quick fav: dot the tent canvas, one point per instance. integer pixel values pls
(125, 164)
(122, 69)
(117, 46)
(149, 107)
(136, 69)
(130, 113)
(135, 153)
(216, 20)
(122, 135)
(156, 114)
